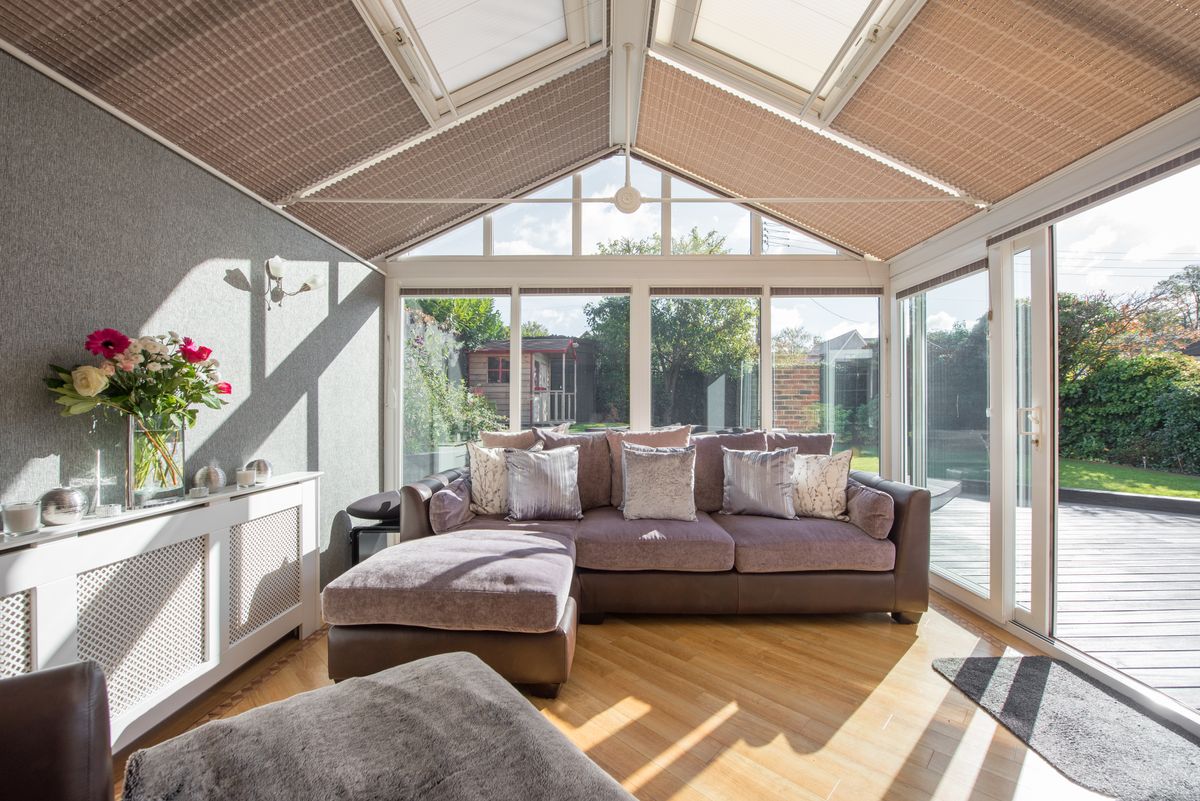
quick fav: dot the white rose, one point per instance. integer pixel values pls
(89, 381)
(214, 376)
(154, 367)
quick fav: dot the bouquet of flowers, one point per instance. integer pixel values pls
(157, 381)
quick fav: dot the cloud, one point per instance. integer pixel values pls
(940, 321)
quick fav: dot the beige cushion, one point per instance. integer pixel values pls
(803, 443)
(521, 440)
(772, 545)
(595, 469)
(710, 471)
(821, 485)
(489, 478)
(465, 581)
(676, 437)
(605, 540)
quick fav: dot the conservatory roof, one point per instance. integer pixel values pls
(928, 110)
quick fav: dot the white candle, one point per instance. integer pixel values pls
(22, 518)
(245, 478)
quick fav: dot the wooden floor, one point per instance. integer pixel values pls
(1128, 584)
(802, 708)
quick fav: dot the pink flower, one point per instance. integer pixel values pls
(126, 366)
(108, 368)
(107, 342)
(192, 352)
(224, 388)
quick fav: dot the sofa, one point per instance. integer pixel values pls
(717, 564)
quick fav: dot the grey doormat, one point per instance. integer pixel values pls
(1090, 733)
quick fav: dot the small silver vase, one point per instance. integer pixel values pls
(62, 506)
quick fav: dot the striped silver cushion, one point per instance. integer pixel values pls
(759, 483)
(543, 485)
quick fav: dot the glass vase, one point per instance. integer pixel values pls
(154, 472)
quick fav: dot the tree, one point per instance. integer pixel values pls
(691, 243)
(473, 321)
(533, 328)
(793, 341)
(1182, 292)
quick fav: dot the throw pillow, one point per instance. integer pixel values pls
(759, 483)
(450, 507)
(821, 485)
(803, 443)
(522, 440)
(659, 482)
(710, 463)
(595, 469)
(489, 479)
(676, 437)
(870, 509)
(543, 485)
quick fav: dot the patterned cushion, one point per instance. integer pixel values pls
(543, 485)
(710, 464)
(870, 509)
(676, 437)
(489, 479)
(595, 468)
(821, 444)
(821, 485)
(659, 482)
(759, 483)
(450, 507)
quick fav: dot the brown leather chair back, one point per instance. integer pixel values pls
(54, 735)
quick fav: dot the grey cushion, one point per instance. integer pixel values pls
(710, 465)
(543, 485)
(870, 509)
(566, 528)
(759, 483)
(659, 482)
(595, 466)
(467, 580)
(450, 507)
(811, 444)
(675, 437)
(445, 728)
(607, 541)
(521, 440)
(771, 545)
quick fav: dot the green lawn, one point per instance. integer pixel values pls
(865, 461)
(1076, 474)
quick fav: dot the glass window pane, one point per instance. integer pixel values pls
(576, 351)
(609, 231)
(535, 228)
(778, 238)
(946, 366)
(704, 362)
(825, 354)
(455, 378)
(707, 227)
(466, 240)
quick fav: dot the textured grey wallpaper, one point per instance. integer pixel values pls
(101, 226)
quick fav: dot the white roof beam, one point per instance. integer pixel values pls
(630, 24)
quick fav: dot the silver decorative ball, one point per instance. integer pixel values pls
(211, 478)
(62, 506)
(261, 468)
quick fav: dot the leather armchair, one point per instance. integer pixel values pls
(54, 735)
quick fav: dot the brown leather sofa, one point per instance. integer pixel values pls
(55, 742)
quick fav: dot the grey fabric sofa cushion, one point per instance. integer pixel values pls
(521, 440)
(674, 437)
(811, 444)
(759, 483)
(659, 482)
(710, 467)
(543, 485)
(771, 545)
(450, 508)
(444, 728)
(466, 581)
(607, 541)
(565, 528)
(595, 466)
(870, 509)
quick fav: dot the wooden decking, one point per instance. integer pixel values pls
(1128, 584)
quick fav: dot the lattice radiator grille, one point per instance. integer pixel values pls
(143, 619)
(264, 571)
(16, 634)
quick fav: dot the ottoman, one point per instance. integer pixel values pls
(508, 597)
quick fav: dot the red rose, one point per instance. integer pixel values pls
(224, 388)
(107, 342)
(192, 352)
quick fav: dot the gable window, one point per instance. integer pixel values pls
(497, 370)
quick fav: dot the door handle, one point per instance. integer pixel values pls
(1033, 416)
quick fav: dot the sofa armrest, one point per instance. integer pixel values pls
(910, 533)
(414, 503)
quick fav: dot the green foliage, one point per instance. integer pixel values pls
(1141, 410)
(691, 243)
(1079, 474)
(532, 328)
(957, 377)
(608, 327)
(438, 407)
(1182, 292)
(473, 321)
